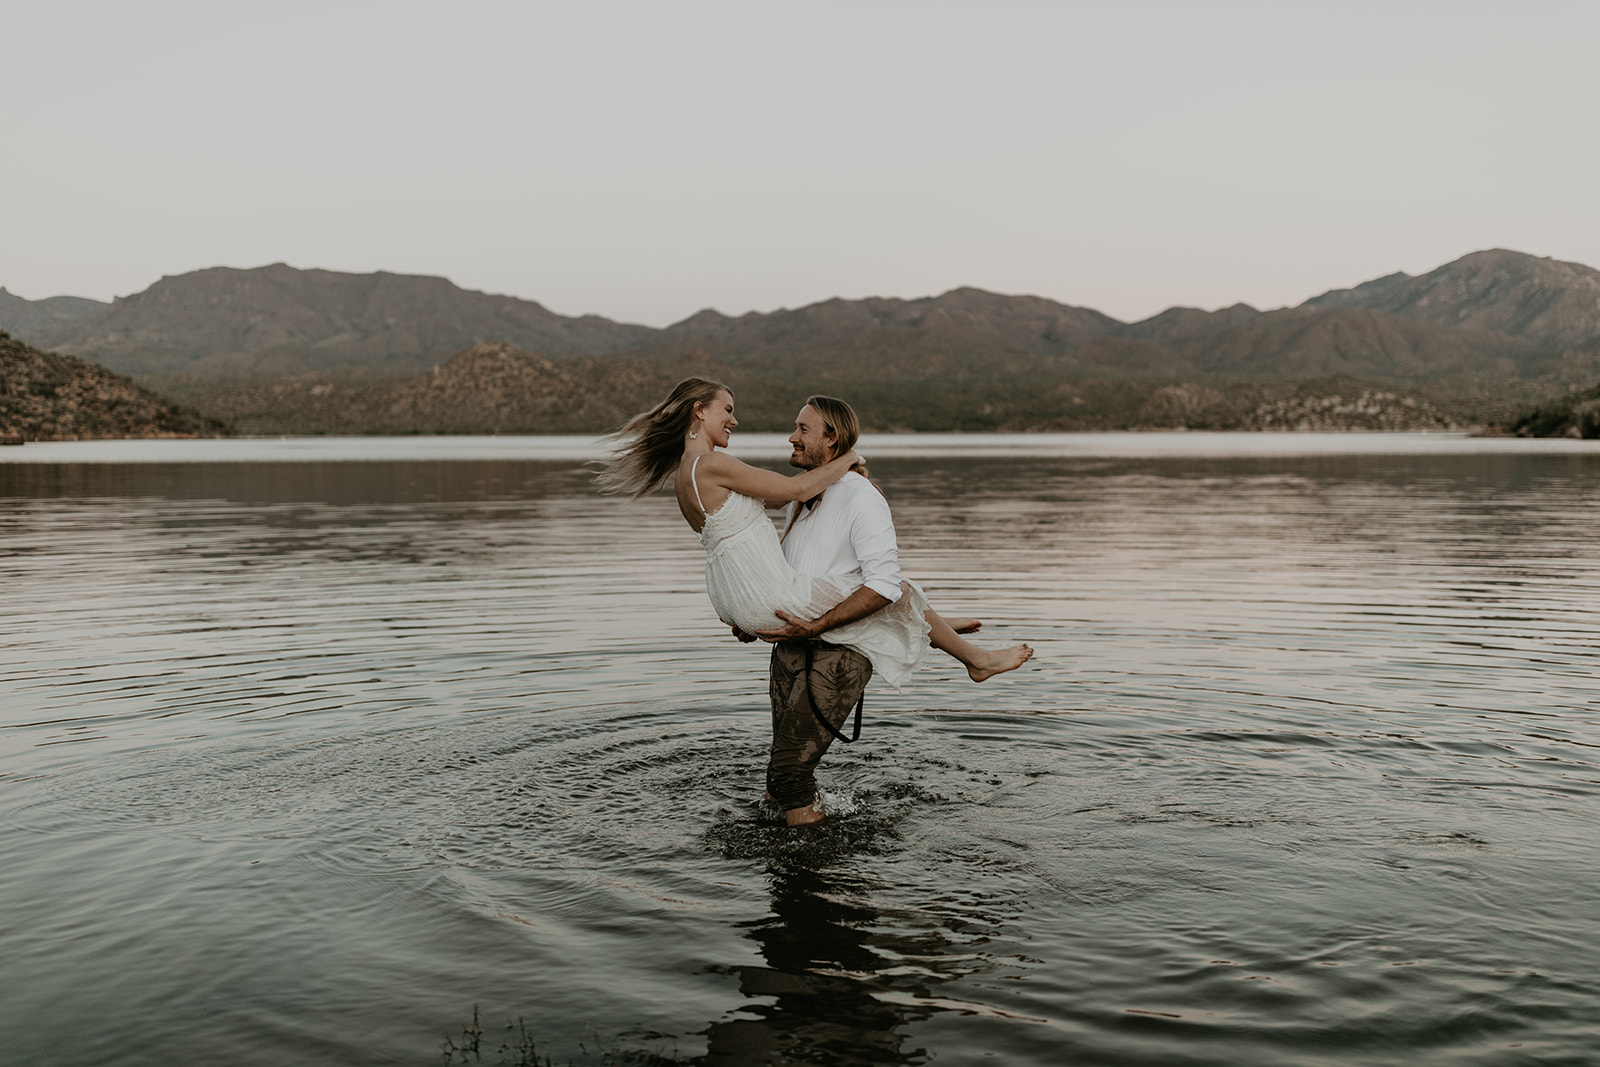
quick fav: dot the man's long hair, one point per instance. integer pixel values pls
(650, 446)
(838, 419)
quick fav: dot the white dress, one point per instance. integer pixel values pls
(748, 579)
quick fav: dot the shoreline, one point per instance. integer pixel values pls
(772, 447)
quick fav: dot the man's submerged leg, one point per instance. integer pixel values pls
(799, 741)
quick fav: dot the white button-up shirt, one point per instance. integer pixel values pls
(848, 532)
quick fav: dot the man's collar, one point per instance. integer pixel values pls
(808, 506)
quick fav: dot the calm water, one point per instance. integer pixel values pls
(309, 747)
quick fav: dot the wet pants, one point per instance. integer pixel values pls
(838, 677)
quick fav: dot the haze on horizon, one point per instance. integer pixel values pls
(644, 161)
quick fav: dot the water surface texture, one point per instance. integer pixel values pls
(307, 749)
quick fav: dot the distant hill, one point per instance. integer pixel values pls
(968, 333)
(1493, 312)
(276, 321)
(1552, 304)
(963, 331)
(27, 318)
(45, 396)
(1315, 342)
(1481, 338)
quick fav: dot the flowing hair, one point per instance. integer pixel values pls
(650, 446)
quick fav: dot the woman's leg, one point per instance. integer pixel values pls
(981, 663)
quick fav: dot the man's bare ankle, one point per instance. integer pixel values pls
(809, 815)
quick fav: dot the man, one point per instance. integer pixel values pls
(846, 530)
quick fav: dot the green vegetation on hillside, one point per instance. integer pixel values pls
(497, 389)
(1574, 415)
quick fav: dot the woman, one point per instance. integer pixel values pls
(747, 578)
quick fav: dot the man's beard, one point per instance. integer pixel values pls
(810, 459)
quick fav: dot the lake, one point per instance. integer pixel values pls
(312, 750)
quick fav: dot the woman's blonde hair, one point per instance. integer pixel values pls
(650, 446)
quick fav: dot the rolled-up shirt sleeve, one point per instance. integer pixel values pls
(872, 537)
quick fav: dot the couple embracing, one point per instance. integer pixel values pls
(827, 593)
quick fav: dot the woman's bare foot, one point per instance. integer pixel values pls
(965, 626)
(997, 661)
(809, 815)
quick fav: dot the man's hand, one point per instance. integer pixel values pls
(791, 629)
(858, 605)
(741, 635)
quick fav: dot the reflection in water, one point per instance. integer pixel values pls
(819, 995)
(334, 484)
(845, 969)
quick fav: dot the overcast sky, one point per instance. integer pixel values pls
(645, 160)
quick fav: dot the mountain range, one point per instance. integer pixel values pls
(1491, 329)
(1552, 304)
(276, 321)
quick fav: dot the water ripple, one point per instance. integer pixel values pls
(299, 763)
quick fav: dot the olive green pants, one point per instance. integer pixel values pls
(838, 677)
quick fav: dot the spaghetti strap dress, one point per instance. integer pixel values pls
(748, 579)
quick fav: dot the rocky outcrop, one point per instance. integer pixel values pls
(45, 396)
(1367, 409)
(1183, 406)
(488, 388)
(1332, 404)
(494, 388)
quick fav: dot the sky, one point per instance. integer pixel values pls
(643, 161)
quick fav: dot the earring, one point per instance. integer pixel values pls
(693, 434)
